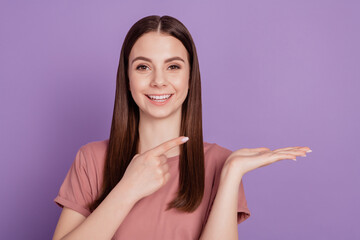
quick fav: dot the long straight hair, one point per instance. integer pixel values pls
(124, 134)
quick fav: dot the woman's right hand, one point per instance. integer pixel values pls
(149, 171)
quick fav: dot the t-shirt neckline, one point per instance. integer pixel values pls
(173, 158)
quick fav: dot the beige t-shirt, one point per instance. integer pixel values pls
(148, 218)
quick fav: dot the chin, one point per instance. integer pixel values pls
(161, 113)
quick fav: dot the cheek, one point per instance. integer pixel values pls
(182, 82)
(134, 89)
(134, 85)
(182, 88)
(134, 82)
(185, 84)
(131, 86)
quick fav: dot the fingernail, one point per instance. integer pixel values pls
(309, 150)
(184, 139)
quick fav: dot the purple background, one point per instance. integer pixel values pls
(274, 74)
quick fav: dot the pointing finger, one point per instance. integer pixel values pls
(166, 146)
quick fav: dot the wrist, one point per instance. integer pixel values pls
(124, 192)
(230, 174)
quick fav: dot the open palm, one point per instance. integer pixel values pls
(248, 159)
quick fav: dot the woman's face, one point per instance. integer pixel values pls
(159, 73)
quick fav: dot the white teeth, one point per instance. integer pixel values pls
(162, 97)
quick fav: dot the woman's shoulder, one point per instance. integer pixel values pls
(216, 152)
(216, 148)
(96, 146)
(94, 152)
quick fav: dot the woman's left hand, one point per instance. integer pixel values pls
(247, 159)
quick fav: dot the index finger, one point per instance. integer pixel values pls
(166, 146)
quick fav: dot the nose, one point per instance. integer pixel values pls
(158, 79)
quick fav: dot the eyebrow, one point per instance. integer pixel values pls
(149, 60)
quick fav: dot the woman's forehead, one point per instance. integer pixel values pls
(158, 46)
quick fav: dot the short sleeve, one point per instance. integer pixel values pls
(242, 208)
(243, 211)
(75, 191)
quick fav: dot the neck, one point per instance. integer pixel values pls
(155, 131)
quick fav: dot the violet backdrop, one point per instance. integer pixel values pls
(274, 74)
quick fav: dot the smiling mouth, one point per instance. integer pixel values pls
(159, 98)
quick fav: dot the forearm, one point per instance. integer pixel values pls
(103, 222)
(222, 221)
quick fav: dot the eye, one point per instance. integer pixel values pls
(141, 67)
(174, 67)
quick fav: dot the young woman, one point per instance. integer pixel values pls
(155, 177)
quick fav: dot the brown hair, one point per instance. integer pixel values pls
(124, 135)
